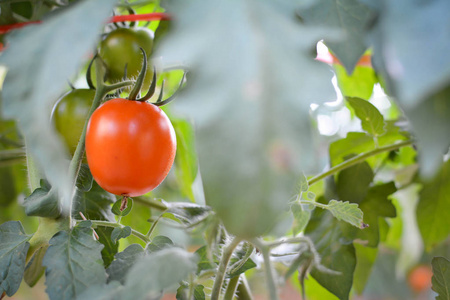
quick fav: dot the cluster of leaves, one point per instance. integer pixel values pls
(252, 81)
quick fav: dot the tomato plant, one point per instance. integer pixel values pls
(70, 114)
(330, 176)
(130, 146)
(121, 48)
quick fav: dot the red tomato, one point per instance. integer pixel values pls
(419, 278)
(130, 146)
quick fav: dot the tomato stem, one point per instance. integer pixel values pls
(357, 159)
(150, 203)
(265, 250)
(222, 270)
(84, 219)
(243, 290)
(137, 234)
(231, 288)
(152, 228)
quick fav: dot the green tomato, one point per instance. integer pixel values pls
(122, 47)
(70, 114)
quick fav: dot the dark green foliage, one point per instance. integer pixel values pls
(13, 250)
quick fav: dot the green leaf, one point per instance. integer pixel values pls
(84, 179)
(303, 261)
(204, 263)
(359, 84)
(123, 262)
(431, 124)
(116, 207)
(350, 16)
(186, 157)
(347, 212)
(435, 201)
(376, 205)
(183, 292)
(120, 233)
(353, 182)
(94, 204)
(110, 248)
(241, 262)
(301, 218)
(358, 142)
(43, 202)
(39, 60)
(325, 231)
(261, 109)
(365, 259)
(13, 251)
(303, 183)
(355, 143)
(372, 120)
(159, 243)
(34, 269)
(168, 267)
(417, 70)
(188, 213)
(441, 277)
(416, 63)
(73, 263)
(383, 282)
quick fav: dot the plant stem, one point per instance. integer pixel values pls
(243, 289)
(191, 287)
(220, 276)
(295, 240)
(75, 163)
(265, 250)
(46, 230)
(231, 288)
(152, 228)
(357, 159)
(137, 234)
(33, 172)
(150, 202)
(323, 206)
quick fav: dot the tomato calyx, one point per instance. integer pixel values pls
(135, 92)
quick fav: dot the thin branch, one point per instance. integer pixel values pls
(265, 250)
(226, 256)
(357, 159)
(137, 234)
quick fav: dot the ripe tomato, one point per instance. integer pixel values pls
(70, 114)
(122, 47)
(130, 146)
(419, 278)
